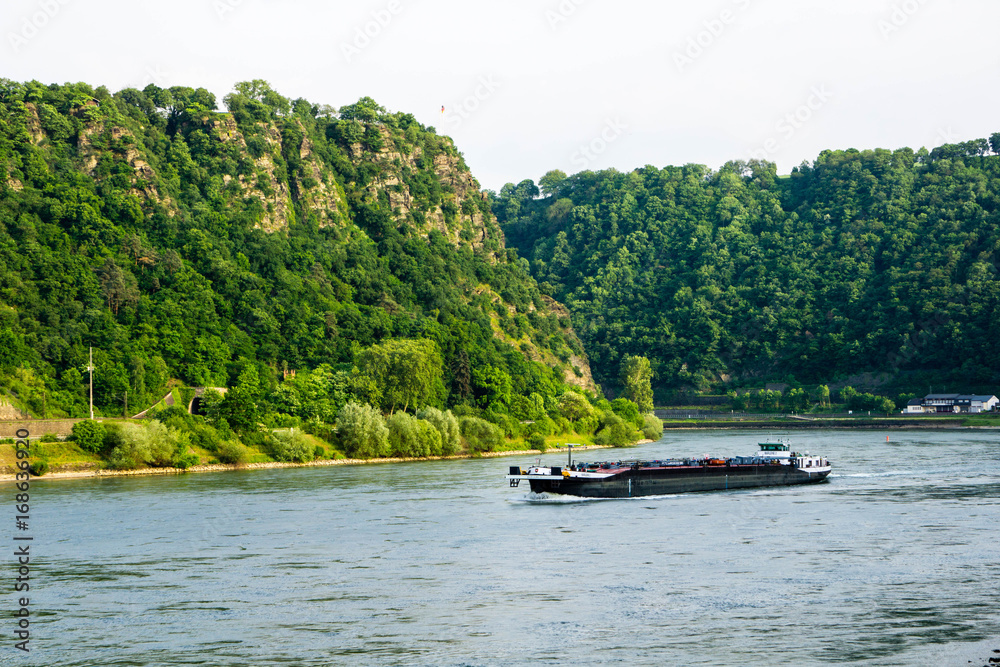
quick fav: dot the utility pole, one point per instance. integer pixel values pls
(90, 368)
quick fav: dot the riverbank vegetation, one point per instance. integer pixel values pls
(174, 438)
(876, 269)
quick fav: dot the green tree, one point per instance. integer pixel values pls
(240, 406)
(493, 385)
(362, 432)
(446, 424)
(636, 377)
(549, 183)
(400, 373)
(822, 395)
(481, 435)
(652, 427)
(409, 436)
(574, 406)
(89, 435)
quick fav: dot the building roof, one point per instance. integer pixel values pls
(985, 398)
(915, 401)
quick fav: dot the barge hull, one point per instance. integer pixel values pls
(636, 483)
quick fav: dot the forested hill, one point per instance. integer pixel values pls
(877, 262)
(183, 242)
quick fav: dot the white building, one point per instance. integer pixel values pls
(952, 403)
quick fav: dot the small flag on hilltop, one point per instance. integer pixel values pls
(442, 108)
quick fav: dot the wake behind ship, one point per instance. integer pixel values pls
(774, 465)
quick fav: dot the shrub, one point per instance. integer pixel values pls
(574, 406)
(49, 437)
(39, 468)
(233, 451)
(509, 426)
(652, 426)
(409, 436)
(89, 435)
(544, 426)
(362, 431)
(537, 441)
(319, 451)
(481, 435)
(290, 445)
(204, 436)
(446, 424)
(587, 425)
(185, 461)
(150, 444)
(615, 431)
(627, 410)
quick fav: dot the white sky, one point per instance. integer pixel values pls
(626, 78)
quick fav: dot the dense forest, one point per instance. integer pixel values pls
(875, 268)
(279, 239)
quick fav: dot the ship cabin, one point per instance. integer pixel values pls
(774, 450)
(781, 452)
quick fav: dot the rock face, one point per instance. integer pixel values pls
(272, 192)
(462, 214)
(119, 144)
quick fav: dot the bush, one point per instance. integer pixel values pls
(290, 445)
(537, 441)
(627, 410)
(587, 425)
(446, 424)
(509, 426)
(481, 435)
(362, 431)
(233, 451)
(409, 436)
(204, 436)
(319, 451)
(185, 461)
(574, 406)
(150, 444)
(89, 435)
(615, 431)
(652, 426)
(39, 468)
(544, 426)
(49, 437)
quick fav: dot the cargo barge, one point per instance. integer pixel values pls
(774, 465)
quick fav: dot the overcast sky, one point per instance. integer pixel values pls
(534, 85)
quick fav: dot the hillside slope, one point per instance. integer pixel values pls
(181, 242)
(876, 266)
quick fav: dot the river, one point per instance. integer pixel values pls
(894, 561)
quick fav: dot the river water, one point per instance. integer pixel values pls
(894, 561)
